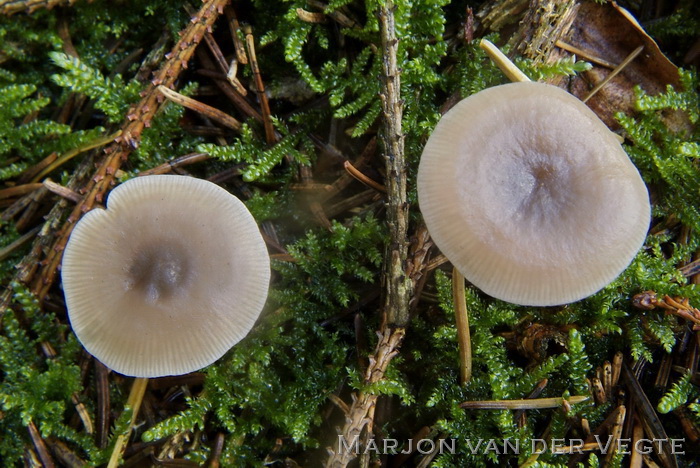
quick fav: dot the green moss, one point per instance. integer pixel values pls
(275, 385)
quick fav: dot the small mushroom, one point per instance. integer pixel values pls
(166, 279)
(530, 195)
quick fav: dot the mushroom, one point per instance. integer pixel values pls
(530, 195)
(167, 278)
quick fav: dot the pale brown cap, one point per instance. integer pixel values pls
(530, 195)
(167, 279)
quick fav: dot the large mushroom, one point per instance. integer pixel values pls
(530, 196)
(167, 279)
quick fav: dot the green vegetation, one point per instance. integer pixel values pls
(270, 397)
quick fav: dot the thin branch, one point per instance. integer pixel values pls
(270, 135)
(399, 284)
(363, 178)
(10, 7)
(139, 118)
(201, 108)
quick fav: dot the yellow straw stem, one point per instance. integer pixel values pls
(134, 402)
(462, 322)
(507, 67)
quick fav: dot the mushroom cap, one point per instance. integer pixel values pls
(166, 279)
(530, 196)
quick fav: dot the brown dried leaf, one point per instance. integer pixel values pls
(611, 33)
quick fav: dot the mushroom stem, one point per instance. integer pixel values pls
(462, 322)
(507, 67)
(134, 402)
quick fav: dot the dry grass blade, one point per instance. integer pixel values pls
(616, 71)
(462, 319)
(138, 389)
(64, 158)
(507, 67)
(533, 403)
(26, 237)
(584, 54)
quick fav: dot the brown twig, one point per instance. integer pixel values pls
(121, 148)
(226, 87)
(62, 191)
(337, 15)
(10, 7)
(201, 108)
(40, 446)
(358, 175)
(18, 190)
(103, 403)
(26, 237)
(184, 160)
(218, 448)
(234, 27)
(358, 416)
(536, 392)
(310, 16)
(345, 179)
(229, 70)
(678, 306)
(65, 455)
(648, 417)
(259, 86)
(399, 287)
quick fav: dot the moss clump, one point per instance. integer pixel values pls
(270, 399)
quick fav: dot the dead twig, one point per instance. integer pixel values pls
(259, 86)
(648, 417)
(10, 7)
(62, 191)
(679, 306)
(200, 108)
(234, 27)
(185, 160)
(399, 286)
(40, 446)
(358, 175)
(120, 149)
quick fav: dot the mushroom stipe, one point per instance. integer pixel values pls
(530, 195)
(167, 278)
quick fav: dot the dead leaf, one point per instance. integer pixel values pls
(611, 33)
